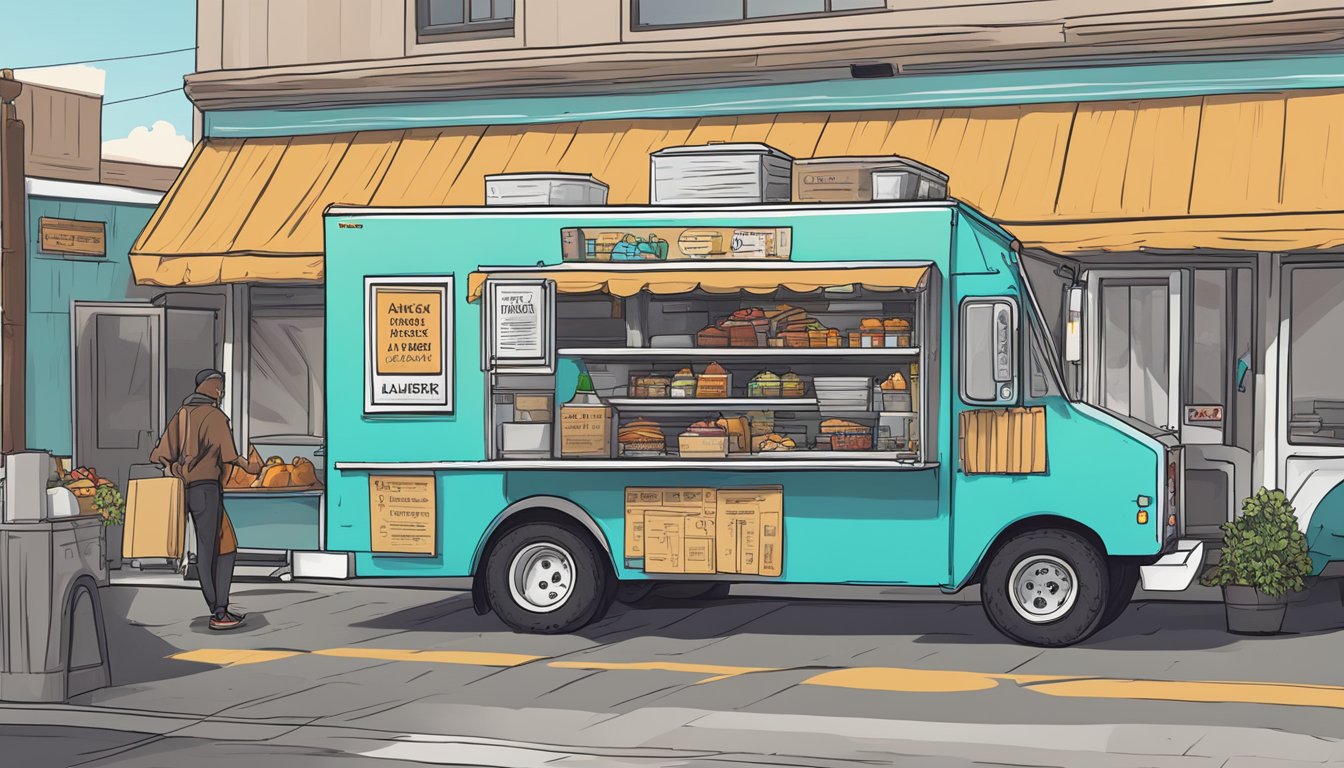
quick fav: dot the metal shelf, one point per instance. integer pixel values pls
(713, 353)
(711, 403)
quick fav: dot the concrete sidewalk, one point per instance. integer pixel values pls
(101, 738)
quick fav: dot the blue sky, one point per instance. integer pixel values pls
(41, 32)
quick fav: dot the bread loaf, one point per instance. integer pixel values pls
(275, 476)
(303, 473)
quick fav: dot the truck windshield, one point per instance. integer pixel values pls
(1044, 377)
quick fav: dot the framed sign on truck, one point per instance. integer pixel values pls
(520, 327)
(408, 344)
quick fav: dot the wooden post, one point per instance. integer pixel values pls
(13, 271)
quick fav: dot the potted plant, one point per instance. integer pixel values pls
(1264, 558)
(108, 502)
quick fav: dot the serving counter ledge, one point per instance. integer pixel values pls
(566, 465)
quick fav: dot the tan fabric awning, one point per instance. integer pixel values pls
(660, 281)
(1227, 172)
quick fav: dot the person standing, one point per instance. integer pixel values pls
(198, 448)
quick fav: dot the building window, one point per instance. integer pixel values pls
(684, 13)
(1135, 334)
(463, 17)
(286, 374)
(1209, 366)
(1315, 368)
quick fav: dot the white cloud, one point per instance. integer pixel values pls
(72, 77)
(159, 144)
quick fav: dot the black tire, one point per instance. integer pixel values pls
(590, 588)
(1124, 578)
(1076, 620)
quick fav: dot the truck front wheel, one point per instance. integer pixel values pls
(1047, 588)
(546, 578)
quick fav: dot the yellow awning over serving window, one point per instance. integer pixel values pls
(660, 280)
(1240, 172)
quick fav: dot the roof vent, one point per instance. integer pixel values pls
(544, 189)
(723, 174)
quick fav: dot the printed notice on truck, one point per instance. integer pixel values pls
(520, 323)
(402, 512)
(408, 353)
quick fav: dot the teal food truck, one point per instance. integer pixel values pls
(576, 405)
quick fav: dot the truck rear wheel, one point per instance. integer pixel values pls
(546, 578)
(1048, 588)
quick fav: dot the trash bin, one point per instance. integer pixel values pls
(53, 642)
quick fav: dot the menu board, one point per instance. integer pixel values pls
(408, 354)
(402, 514)
(520, 331)
(676, 244)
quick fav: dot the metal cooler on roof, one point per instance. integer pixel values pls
(866, 179)
(720, 174)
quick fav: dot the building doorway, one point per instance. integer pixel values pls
(1169, 348)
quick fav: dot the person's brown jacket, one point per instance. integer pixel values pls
(198, 444)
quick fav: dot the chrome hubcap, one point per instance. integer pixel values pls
(1043, 588)
(541, 577)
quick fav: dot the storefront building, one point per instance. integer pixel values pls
(80, 215)
(1194, 204)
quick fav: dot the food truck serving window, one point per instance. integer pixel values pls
(673, 365)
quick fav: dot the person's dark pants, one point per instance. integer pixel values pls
(205, 502)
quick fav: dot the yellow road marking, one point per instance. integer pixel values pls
(887, 679)
(1285, 694)
(225, 657)
(466, 658)
(904, 680)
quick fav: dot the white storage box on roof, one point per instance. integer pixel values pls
(865, 179)
(720, 174)
(544, 189)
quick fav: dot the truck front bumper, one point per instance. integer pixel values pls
(1176, 570)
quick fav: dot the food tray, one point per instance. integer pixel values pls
(852, 441)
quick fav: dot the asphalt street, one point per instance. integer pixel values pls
(383, 675)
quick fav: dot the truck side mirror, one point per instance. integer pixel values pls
(1073, 326)
(989, 350)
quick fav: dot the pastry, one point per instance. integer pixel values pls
(775, 442)
(894, 383)
(303, 473)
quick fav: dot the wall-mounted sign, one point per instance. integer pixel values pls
(1203, 414)
(408, 349)
(676, 244)
(520, 326)
(402, 514)
(77, 238)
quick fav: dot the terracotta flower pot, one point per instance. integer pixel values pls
(1252, 612)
